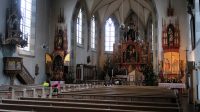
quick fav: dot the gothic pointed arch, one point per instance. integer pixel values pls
(116, 31)
(94, 18)
(84, 33)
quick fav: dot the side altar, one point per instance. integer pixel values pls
(172, 66)
(54, 62)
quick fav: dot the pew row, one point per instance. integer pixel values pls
(163, 104)
(43, 108)
(93, 105)
(2, 110)
(117, 97)
(124, 93)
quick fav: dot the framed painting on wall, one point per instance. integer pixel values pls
(171, 63)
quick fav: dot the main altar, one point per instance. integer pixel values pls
(133, 51)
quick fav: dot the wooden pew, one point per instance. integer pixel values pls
(142, 91)
(93, 105)
(160, 104)
(43, 108)
(3, 110)
(124, 93)
(118, 97)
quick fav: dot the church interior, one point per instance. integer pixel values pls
(99, 55)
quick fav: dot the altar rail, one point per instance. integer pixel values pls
(172, 85)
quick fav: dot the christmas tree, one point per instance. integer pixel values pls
(150, 77)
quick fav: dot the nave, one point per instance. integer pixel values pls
(131, 43)
(91, 98)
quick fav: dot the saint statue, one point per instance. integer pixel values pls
(59, 39)
(170, 35)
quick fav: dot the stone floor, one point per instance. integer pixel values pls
(186, 106)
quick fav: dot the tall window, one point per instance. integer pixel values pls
(109, 35)
(26, 12)
(79, 28)
(93, 33)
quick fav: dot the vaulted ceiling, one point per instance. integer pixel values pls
(121, 9)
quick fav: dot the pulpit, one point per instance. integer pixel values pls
(12, 67)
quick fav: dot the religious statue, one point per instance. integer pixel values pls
(124, 31)
(36, 69)
(59, 39)
(128, 53)
(131, 32)
(170, 35)
(13, 22)
(131, 54)
(58, 63)
(167, 65)
(14, 16)
(175, 66)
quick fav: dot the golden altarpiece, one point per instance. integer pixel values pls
(171, 64)
(132, 50)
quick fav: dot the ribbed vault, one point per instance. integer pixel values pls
(121, 9)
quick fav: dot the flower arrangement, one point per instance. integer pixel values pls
(171, 80)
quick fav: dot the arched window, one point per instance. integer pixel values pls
(79, 28)
(93, 33)
(109, 35)
(27, 26)
(26, 11)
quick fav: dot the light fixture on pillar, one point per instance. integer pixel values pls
(45, 46)
(198, 65)
(122, 26)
